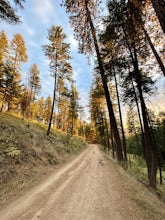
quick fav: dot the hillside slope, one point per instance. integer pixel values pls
(26, 153)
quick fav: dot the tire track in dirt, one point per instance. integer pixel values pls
(87, 188)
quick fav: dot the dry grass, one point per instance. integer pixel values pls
(27, 153)
(144, 197)
(149, 202)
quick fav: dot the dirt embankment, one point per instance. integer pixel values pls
(27, 153)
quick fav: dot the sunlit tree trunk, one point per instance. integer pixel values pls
(54, 98)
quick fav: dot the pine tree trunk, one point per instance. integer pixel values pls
(157, 152)
(54, 97)
(159, 6)
(120, 115)
(72, 126)
(113, 149)
(103, 131)
(113, 122)
(58, 111)
(162, 67)
(107, 135)
(151, 157)
(140, 121)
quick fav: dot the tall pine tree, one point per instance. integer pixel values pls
(57, 52)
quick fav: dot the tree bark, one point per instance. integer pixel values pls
(151, 157)
(113, 122)
(54, 97)
(120, 115)
(72, 125)
(159, 6)
(157, 152)
(162, 67)
(112, 143)
(140, 121)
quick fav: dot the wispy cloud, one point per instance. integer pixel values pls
(48, 83)
(76, 73)
(32, 44)
(43, 10)
(73, 42)
(29, 31)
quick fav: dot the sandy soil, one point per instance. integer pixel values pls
(87, 188)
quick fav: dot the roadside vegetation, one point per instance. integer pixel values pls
(137, 168)
(136, 164)
(135, 183)
(27, 153)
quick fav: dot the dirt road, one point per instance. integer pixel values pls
(87, 188)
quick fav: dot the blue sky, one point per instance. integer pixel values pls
(37, 17)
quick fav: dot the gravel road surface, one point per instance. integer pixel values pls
(87, 188)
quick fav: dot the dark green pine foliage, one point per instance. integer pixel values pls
(12, 87)
(126, 15)
(8, 11)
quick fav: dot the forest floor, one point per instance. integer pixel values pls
(88, 187)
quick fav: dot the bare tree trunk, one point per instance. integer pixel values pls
(162, 67)
(106, 90)
(112, 142)
(151, 157)
(120, 115)
(159, 6)
(140, 120)
(107, 135)
(157, 152)
(72, 127)
(54, 97)
(58, 111)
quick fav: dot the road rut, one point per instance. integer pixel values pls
(87, 188)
